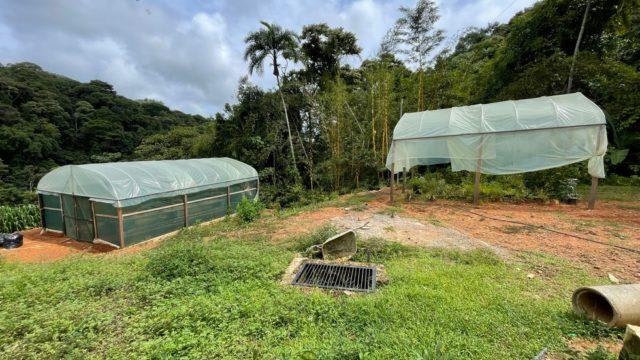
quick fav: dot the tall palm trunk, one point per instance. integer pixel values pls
(286, 117)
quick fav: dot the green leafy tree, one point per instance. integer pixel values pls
(274, 43)
(323, 47)
(177, 143)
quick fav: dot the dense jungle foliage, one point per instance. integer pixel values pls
(335, 132)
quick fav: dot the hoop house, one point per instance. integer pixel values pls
(505, 137)
(128, 202)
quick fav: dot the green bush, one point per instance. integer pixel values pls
(248, 210)
(16, 218)
(277, 197)
(179, 259)
(11, 195)
(557, 182)
(442, 185)
(614, 179)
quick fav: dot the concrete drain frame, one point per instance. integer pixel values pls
(336, 276)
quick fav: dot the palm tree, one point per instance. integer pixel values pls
(272, 42)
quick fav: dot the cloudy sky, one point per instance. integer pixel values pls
(188, 54)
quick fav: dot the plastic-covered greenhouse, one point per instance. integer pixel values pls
(125, 203)
(505, 137)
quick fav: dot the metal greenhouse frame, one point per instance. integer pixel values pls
(506, 137)
(125, 203)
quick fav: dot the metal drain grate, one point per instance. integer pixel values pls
(333, 276)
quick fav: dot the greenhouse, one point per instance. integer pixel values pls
(506, 137)
(124, 203)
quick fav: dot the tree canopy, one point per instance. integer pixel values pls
(340, 117)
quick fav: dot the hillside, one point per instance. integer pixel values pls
(335, 134)
(48, 120)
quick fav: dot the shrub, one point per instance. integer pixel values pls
(248, 210)
(277, 197)
(16, 218)
(443, 185)
(9, 194)
(614, 179)
(556, 182)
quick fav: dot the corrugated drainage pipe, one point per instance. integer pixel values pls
(615, 305)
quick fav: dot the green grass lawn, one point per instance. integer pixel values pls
(612, 192)
(221, 298)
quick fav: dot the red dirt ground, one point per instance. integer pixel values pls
(608, 224)
(49, 247)
(307, 221)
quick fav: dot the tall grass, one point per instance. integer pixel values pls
(16, 218)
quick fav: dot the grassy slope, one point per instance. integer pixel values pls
(221, 298)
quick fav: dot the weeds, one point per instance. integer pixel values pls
(600, 353)
(379, 250)
(435, 221)
(247, 210)
(303, 242)
(519, 229)
(439, 185)
(390, 211)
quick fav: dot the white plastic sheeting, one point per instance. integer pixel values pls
(505, 137)
(130, 183)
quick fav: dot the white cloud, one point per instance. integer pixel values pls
(189, 54)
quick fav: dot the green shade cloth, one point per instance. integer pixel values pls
(130, 183)
(508, 137)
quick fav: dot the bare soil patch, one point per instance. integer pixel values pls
(306, 222)
(408, 231)
(50, 246)
(609, 223)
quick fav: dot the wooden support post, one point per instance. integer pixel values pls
(476, 183)
(64, 228)
(476, 186)
(120, 227)
(75, 216)
(93, 217)
(391, 185)
(392, 176)
(594, 180)
(41, 207)
(185, 205)
(229, 199)
(592, 195)
(404, 179)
